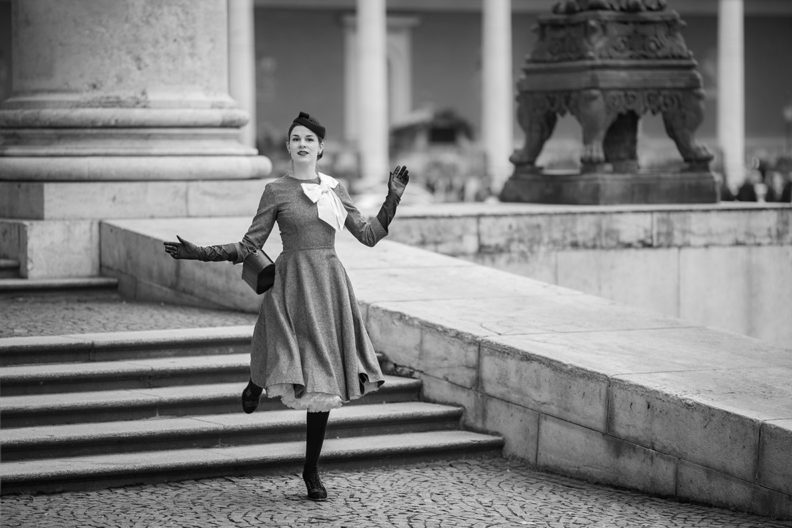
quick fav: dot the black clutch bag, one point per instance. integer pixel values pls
(258, 271)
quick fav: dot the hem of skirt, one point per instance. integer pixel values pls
(315, 401)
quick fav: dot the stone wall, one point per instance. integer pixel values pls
(574, 383)
(728, 265)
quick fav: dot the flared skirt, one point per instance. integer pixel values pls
(310, 345)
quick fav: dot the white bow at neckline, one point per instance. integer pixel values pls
(330, 207)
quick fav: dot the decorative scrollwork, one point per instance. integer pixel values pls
(644, 101)
(569, 7)
(594, 37)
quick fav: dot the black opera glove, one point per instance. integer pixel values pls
(184, 249)
(397, 181)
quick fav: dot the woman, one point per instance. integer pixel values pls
(310, 345)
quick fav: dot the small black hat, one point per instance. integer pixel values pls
(310, 123)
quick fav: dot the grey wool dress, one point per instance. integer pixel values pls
(310, 346)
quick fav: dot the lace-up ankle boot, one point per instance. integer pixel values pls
(316, 491)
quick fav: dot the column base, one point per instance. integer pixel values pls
(141, 199)
(48, 249)
(605, 188)
(133, 168)
(52, 228)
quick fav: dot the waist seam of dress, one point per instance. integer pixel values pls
(293, 250)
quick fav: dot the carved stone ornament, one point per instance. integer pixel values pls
(607, 63)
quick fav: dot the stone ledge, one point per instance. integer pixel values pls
(544, 366)
(715, 265)
(503, 227)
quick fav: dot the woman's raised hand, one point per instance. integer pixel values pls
(182, 249)
(398, 180)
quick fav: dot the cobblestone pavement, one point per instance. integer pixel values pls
(56, 314)
(481, 492)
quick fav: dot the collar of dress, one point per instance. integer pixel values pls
(329, 206)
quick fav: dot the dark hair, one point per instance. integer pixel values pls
(311, 124)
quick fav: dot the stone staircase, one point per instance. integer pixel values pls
(107, 409)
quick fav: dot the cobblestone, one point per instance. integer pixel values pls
(36, 315)
(482, 492)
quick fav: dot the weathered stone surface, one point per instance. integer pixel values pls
(703, 484)
(136, 255)
(710, 295)
(449, 356)
(532, 314)
(113, 200)
(775, 455)
(129, 199)
(544, 385)
(539, 265)
(450, 236)
(641, 351)
(444, 352)
(631, 276)
(518, 425)
(224, 198)
(59, 248)
(10, 238)
(571, 449)
(608, 188)
(710, 417)
(447, 282)
(389, 255)
(735, 226)
(442, 391)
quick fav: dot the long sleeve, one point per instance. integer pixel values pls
(218, 253)
(388, 210)
(260, 228)
(368, 232)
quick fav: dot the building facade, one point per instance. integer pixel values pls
(450, 55)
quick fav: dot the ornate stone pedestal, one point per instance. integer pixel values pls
(609, 188)
(607, 64)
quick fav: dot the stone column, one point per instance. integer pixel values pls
(398, 51)
(497, 89)
(118, 110)
(133, 90)
(242, 63)
(373, 101)
(731, 90)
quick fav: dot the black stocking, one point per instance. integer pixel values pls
(316, 424)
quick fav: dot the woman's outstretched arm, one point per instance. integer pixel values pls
(369, 232)
(184, 249)
(254, 239)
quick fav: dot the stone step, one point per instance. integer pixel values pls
(101, 471)
(108, 346)
(9, 269)
(123, 374)
(112, 405)
(26, 443)
(48, 286)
